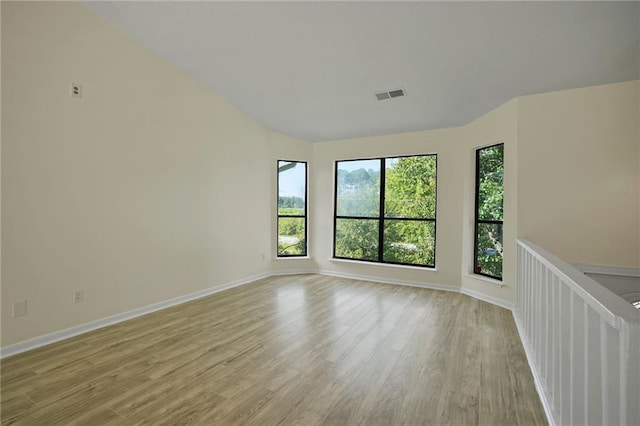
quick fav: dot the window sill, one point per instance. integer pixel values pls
(384, 265)
(486, 280)
(292, 258)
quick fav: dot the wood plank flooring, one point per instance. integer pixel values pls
(293, 350)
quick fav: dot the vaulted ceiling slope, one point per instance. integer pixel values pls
(311, 69)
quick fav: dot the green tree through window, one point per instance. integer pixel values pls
(386, 210)
(488, 245)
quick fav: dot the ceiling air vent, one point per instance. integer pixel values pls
(390, 94)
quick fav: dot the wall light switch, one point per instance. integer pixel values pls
(19, 308)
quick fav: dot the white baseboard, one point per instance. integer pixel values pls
(537, 378)
(488, 299)
(419, 284)
(292, 272)
(57, 336)
(125, 316)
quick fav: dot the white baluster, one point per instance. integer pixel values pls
(585, 322)
(572, 326)
(624, 356)
(603, 370)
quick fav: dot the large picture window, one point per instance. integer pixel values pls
(292, 208)
(385, 210)
(488, 245)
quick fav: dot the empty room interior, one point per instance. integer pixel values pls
(301, 213)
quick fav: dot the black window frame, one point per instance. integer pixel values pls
(477, 221)
(305, 216)
(381, 214)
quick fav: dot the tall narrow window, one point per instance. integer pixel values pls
(292, 208)
(488, 246)
(385, 210)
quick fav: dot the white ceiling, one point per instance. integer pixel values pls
(311, 69)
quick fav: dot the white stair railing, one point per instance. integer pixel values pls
(582, 341)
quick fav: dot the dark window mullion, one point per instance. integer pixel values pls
(359, 217)
(381, 211)
(477, 220)
(415, 219)
(335, 207)
(306, 209)
(303, 216)
(382, 221)
(491, 222)
(477, 213)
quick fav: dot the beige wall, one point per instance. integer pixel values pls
(571, 160)
(447, 144)
(578, 173)
(152, 187)
(1, 303)
(637, 178)
(456, 164)
(147, 188)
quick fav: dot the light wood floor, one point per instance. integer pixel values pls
(302, 350)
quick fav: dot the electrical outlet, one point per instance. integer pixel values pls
(76, 90)
(19, 308)
(78, 296)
